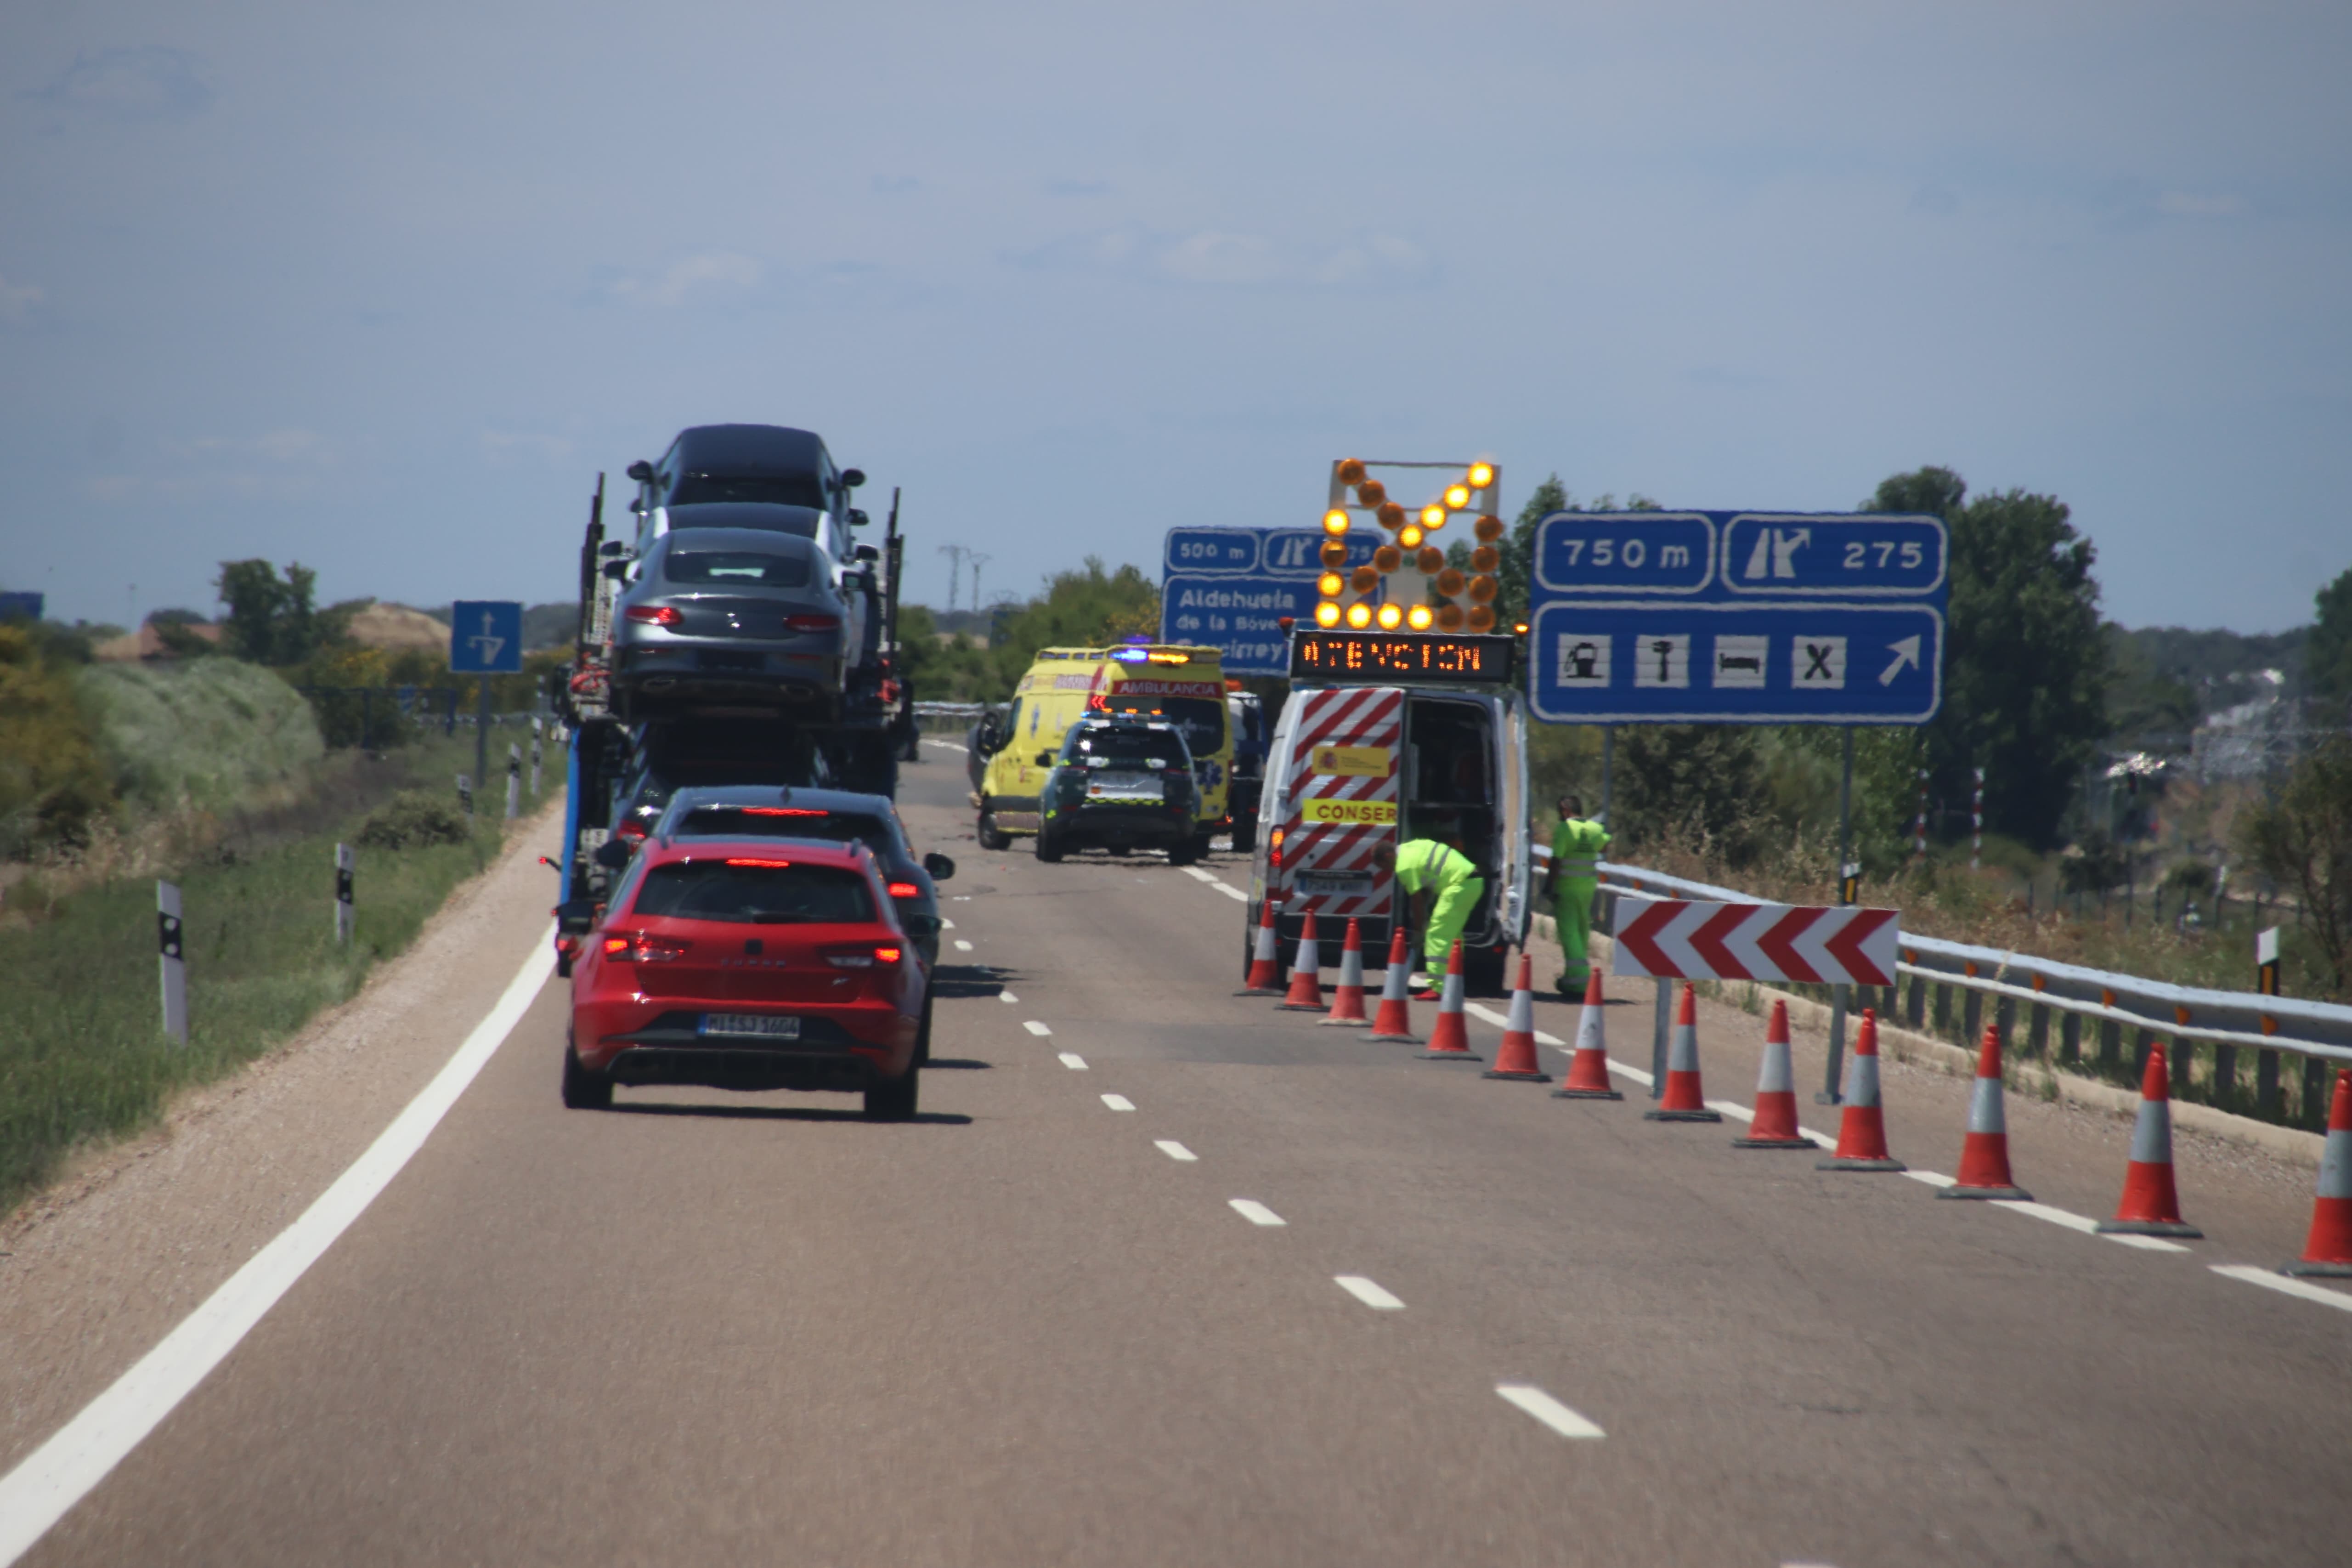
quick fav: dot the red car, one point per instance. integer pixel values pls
(753, 965)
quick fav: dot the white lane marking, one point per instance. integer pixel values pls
(1175, 1150)
(1036, 1028)
(1370, 1294)
(2271, 1281)
(946, 924)
(61, 1472)
(1118, 1102)
(951, 745)
(1637, 1074)
(1256, 1212)
(1547, 1410)
(959, 898)
(2086, 1225)
(1075, 1062)
(1725, 1108)
(1932, 1178)
(962, 946)
(1503, 1021)
(1213, 879)
(1006, 996)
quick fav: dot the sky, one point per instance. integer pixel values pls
(382, 289)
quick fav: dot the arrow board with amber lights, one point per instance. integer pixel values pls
(1719, 617)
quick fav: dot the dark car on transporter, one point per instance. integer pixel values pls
(1120, 783)
(732, 622)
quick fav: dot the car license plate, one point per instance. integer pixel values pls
(1332, 885)
(759, 1026)
(1124, 786)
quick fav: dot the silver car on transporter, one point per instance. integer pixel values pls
(732, 621)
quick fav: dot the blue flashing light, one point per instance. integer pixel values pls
(1129, 655)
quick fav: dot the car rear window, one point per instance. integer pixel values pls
(737, 568)
(769, 489)
(752, 891)
(787, 822)
(1124, 747)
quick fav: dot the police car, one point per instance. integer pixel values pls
(1118, 782)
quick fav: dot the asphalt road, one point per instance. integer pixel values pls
(1164, 1276)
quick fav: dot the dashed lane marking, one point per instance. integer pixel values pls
(1075, 1062)
(2086, 1225)
(951, 745)
(1006, 996)
(1502, 1022)
(1175, 1150)
(2284, 1286)
(962, 946)
(946, 924)
(1370, 1294)
(1118, 1102)
(1256, 1212)
(1036, 1028)
(1217, 882)
(1547, 1410)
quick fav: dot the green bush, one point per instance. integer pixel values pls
(413, 819)
(52, 779)
(210, 734)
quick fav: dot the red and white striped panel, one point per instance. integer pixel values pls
(1371, 717)
(1682, 940)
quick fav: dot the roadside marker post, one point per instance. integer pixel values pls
(538, 736)
(344, 866)
(514, 781)
(465, 793)
(173, 961)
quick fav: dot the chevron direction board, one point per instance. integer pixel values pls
(1680, 939)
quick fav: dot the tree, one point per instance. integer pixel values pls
(2303, 840)
(1514, 573)
(2025, 666)
(2328, 656)
(1701, 782)
(270, 619)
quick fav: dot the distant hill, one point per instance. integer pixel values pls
(2169, 680)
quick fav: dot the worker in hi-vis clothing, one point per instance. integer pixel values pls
(1444, 885)
(1576, 844)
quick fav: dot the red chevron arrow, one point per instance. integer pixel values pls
(1641, 938)
(1779, 943)
(1707, 942)
(1846, 947)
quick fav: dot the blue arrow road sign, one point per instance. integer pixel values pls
(1616, 661)
(485, 637)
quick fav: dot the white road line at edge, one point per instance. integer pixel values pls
(61, 1472)
(1502, 1021)
(1036, 1028)
(1370, 1294)
(1175, 1150)
(951, 745)
(2271, 1281)
(1547, 1410)
(1256, 1212)
(1118, 1102)
(1075, 1062)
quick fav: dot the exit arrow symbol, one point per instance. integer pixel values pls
(1905, 652)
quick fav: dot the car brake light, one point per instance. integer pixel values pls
(781, 811)
(905, 890)
(567, 945)
(655, 614)
(863, 956)
(747, 860)
(629, 828)
(812, 623)
(641, 948)
(1273, 849)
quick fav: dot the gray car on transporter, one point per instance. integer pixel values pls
(732, 622)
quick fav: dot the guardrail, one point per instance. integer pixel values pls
(2319, 1032)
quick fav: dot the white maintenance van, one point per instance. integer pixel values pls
(1389, 736)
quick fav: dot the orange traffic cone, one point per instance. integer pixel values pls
(1394, 1020)
(1516, 1056)
(1265, 977)
(1984, 1153)
(1775, 1124)
(2150, 1206)
(1348, 1002)
(1306, 975)
(1861, 1133)
(2328, 1252)
(1588, 1069)
(1684, 1100)
(1450, 1041)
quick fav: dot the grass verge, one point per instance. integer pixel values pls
(82, 1053)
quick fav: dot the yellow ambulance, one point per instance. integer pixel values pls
(1186, 685)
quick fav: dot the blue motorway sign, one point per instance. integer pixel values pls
(485, 637)
(1228, 588)
(1737, 617)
